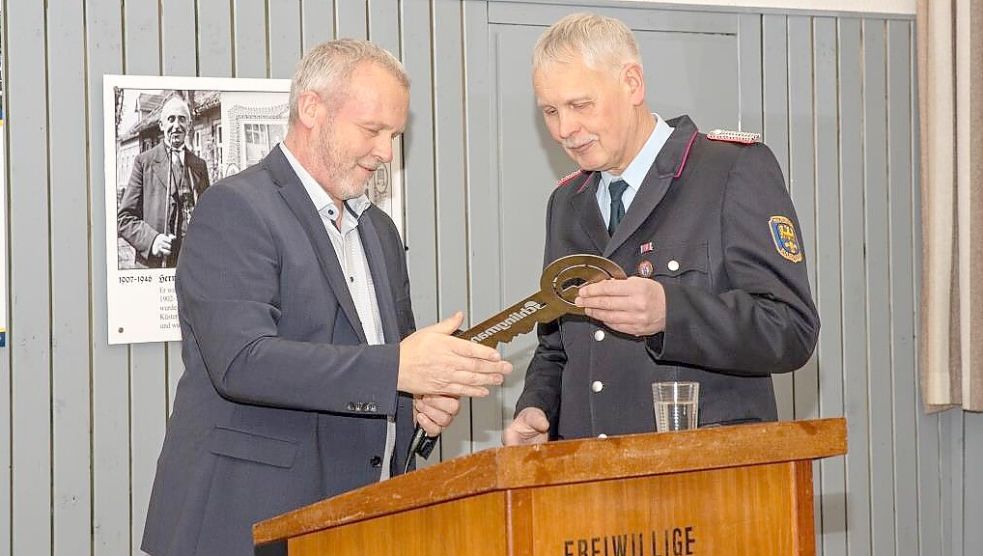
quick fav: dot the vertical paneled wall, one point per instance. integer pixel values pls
(838, 110)
(81, 422)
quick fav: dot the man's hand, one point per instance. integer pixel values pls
(431, 361)
(435, 413)
(634, 306)
(529, 427)
(161, 245)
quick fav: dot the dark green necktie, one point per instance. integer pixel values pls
(617, 189)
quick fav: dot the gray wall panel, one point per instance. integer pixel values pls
(109, 364)
(317, 21)
(420, 190)
(973, 483)
(832, 93)
(177, 26)
(801, 178)
(878, 296)
(384, 25)
(148, 410)
(928, 428)
(774, 45)
(141, 37)
(484, 278)
(451, 173)
(419, 166)
(953, 443)
(749, 73)
(147, 380)
(899, 95)
(451, 201)
(29, 223)
(523, 185)
(284, 37)
(351, 19)
(854, 287)
(251, 54)
(215, 45)
(826, 261)
(71, 496)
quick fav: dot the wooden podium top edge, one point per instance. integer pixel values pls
(565, 462)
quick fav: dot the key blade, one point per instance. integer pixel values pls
(558, 289)
(505, 326)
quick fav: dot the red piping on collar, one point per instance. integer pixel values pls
(682, 163)
(583, 186)
(569, 177)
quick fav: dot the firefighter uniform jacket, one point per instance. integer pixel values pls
(714, 224)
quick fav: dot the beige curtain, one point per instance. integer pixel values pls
(950, 101)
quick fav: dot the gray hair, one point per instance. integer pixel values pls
(327, 67)
(601, 42)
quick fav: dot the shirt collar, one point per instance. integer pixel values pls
(636, 171)
(178, 151)
(322, 201)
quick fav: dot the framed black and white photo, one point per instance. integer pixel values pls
(167, 140)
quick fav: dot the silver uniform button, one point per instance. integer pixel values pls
(602, 435)
(597, 386)
(599, 335)
(673, 265)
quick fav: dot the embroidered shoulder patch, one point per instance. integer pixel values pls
(783, 234)
(569, 178)
(745, 137)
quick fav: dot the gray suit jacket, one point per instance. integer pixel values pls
(282, 403)
(737, 308)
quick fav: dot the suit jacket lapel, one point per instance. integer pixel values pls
(667, 167)
(198, 174)
(380, 275)
(296, 197)
(584, 205)
(160, 168)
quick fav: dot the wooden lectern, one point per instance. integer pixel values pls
(729, 490)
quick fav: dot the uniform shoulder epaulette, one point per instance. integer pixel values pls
(745, 137)
(570, 177)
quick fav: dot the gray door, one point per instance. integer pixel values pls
(703, 64)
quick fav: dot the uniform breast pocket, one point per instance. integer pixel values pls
(683, 263)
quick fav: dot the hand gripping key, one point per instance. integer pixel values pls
(558, 287)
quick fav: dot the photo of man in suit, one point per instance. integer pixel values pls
(703, 225)
(164, 186)
(304, 374)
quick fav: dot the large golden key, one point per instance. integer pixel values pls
(557, 289)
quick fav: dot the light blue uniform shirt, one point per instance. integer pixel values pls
(635, 172)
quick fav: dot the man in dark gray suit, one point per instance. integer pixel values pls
(717, 290)
(303, 373)
(164, 186)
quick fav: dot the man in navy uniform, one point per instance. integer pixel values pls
(703, 225)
